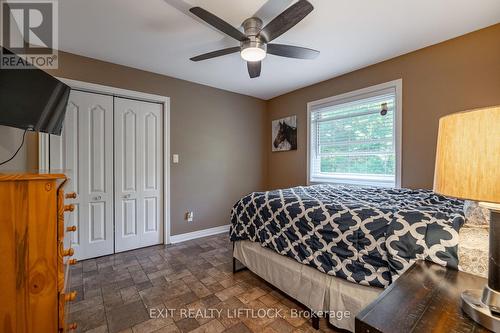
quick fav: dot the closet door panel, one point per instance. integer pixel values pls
(150, 214)
(152, 154)
(129, 155)
(97, 151)
(85, 153)
(138, 174)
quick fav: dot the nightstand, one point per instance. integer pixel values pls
(426, 298)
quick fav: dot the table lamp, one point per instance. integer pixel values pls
(468, 167)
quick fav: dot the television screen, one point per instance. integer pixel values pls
(32, 99)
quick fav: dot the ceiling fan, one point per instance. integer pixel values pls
(255, 41)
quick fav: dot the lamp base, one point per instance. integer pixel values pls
(482, 307)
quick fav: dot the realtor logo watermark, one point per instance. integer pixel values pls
(30, 30)
(244, 313)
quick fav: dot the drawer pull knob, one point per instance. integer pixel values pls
(72, 326)
(72, 262)
(69, 208)
(70, 195)
(71, 229)
(70, 297)
(68, 253)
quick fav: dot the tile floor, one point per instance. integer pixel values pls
(187, 287)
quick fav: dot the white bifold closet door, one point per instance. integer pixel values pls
(85, 153)
(112, 150)
(138, 174)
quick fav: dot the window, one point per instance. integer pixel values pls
(355, 138)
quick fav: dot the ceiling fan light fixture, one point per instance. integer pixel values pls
(253, 49)
(253, 54)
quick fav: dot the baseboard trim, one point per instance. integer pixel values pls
(199, 234)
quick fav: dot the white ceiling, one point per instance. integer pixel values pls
(161, 35)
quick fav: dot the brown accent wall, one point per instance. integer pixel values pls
(218, 135)
(455, 75)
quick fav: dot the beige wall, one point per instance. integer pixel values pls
(218, 135)
(456, 75)
(27, 158)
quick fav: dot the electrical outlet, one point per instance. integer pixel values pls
(189, 216)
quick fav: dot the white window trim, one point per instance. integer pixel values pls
(351, 96)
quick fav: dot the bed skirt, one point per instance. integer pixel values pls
(316, 290)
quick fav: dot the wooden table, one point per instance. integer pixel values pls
(426, 298)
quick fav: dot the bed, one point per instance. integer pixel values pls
(342, 241)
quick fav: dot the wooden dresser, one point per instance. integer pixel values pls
(35, 253)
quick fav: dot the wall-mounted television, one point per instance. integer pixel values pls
(32, 99)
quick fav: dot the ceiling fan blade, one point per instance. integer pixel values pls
(271, 8)
(218, 23)
(254, 68)
(286, 20)
(215, 54)
(290, 51)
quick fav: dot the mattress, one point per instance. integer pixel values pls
(364, 235)
(316, 290)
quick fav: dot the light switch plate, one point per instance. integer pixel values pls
(175, 158)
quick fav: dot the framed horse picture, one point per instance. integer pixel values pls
(284, 134)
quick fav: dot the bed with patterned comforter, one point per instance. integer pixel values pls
(364, 235)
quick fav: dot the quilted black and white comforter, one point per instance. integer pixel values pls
(364, 235)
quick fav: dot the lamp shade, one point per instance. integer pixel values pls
(468, 155)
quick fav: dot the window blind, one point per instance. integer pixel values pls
(353, 142)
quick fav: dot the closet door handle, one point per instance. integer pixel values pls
(126, 196)
(97, 198)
